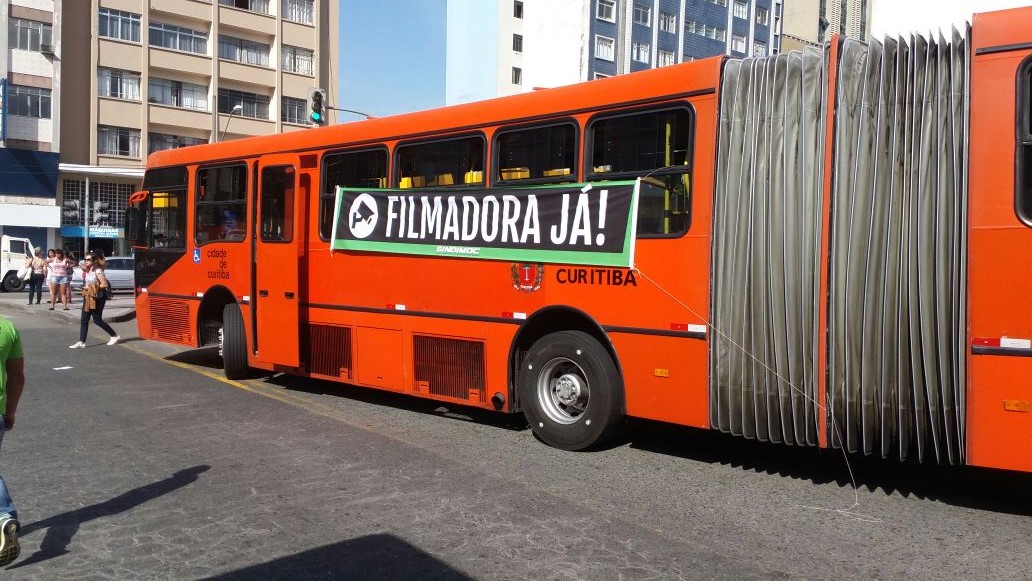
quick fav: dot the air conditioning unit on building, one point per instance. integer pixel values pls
(47, 49)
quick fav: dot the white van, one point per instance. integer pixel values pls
(13, 252)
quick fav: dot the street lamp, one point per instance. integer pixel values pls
(236, 108)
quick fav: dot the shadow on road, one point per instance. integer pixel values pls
(61, 528)
(399, 401)
(207, 357)
(370, 557)
(978, 488)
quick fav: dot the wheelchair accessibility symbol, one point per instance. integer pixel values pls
(197, 255)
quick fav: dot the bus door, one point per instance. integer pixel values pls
(276, 256)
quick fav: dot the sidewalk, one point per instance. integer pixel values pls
(120, 308)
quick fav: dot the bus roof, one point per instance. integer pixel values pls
(622, 90)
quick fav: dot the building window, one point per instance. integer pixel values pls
(668, 22)
(178, 38)
(243, 51)
(177, 94)
(294, 111)
(28, 101)
(640, 52)
(691, 27)
(298, 60)
(162, 141)
(604, 48)
(254, 106)
(118, 141)
(643, 15)
(302, 11)
(718, 2)
(602, 76)
(260, 6)
(738, 43)
(29, 34)
(114, 195)
(517, 9)
(118, 24)
(759, 49)
(517, 42)
(762, 16)
(606, 10)
(517, 76)
(118, 84)
(665, 58)
(741, 9)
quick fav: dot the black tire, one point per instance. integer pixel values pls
(12, 283)
(571, 391)
(233, 344)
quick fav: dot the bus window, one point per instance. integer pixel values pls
(163, 214)
(277, 207)
(357, 169)
(544, 154)
(221, 204)
(1023, 177)
(454, 162)
(653, 145)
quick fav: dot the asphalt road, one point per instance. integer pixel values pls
(138, 461)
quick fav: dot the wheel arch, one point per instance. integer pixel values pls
(209, 314)
(550, 320)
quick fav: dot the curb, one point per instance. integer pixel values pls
(123, 317)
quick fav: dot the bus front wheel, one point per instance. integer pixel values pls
(233, 343)
(571, 391)
(11, 283)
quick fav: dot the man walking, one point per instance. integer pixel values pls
(12, 381)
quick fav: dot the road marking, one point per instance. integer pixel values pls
(66, 367)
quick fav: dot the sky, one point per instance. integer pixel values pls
(392, 56)
(393, 51)
(893, 17)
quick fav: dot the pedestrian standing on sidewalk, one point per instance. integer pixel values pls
(95, 290)
(39, 273)
(59, 279)
(12, 381)
(51, 255)
(70, 259)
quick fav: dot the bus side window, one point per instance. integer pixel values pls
(221, 204)
(357, 169)
(163, 213)
(655, 146)
(1023, 147)
(451, 162)
(544, 154)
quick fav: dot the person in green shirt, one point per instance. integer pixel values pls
(12, 381)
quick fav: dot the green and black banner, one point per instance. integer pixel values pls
(589, 224)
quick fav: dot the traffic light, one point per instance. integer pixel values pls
(317, 106)
(100, 216)
(71, 211)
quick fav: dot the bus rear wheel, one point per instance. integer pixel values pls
(571, 391)
(233, 343)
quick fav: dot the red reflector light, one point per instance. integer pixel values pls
(678, 326)
(985, 342)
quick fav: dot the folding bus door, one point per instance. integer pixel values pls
(277, 249)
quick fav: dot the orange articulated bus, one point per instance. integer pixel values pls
(821, 248)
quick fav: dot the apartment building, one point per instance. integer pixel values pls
(147, 75)
(813, 22)
(538, 43)
(29, 120)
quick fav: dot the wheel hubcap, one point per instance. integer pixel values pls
(563, 390)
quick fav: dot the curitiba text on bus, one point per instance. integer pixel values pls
(590, 224)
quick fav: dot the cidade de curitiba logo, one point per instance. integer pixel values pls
(363, 216)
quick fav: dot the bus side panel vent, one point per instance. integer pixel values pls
(170, 321)
(328, 351)
(451, 368)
